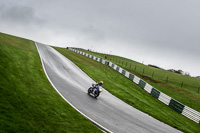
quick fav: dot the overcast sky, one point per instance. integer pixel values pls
(165, 33)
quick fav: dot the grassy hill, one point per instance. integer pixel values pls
(129, 92)
(28, 103)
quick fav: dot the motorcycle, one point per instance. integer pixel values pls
(94, 91)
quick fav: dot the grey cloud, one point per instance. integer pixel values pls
(19, 14)
(93, 34)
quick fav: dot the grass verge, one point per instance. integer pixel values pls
(28, 103)
(129, 92)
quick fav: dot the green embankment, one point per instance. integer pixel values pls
(28, 103)
(165, 81)
(129, 92)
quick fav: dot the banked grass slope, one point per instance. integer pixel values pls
(28, 103)
(129, 92)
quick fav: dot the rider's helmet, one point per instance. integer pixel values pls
(101, 83)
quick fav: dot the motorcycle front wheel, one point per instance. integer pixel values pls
(96, 94)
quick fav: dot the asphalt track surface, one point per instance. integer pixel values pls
(109, 112)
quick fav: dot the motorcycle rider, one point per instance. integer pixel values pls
(98, 84)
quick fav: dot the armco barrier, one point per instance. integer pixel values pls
(111, 64)
(175, 105)
(164, 98)
(120, 70)
(117, 69)
(192, 114)
(136, 80)
(155, 93)
(142, 83)
(123, 72)
(148, 88)
(127, 74)
(131, 77)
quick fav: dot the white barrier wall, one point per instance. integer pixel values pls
(164, 98)
(120, 70)
(110, 64)
(94, 57)
(98, 59)
(115, 67)
(136, 80)
(103, 61)
(127, 74)
(148, 88)
(191, 113)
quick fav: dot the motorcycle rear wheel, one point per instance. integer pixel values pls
(89, 90)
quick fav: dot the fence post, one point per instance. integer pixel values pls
(182, 84)
(167, 79)
(198, 89)
(152, 74)
(130, 65)
(135, 68)
(143, 70)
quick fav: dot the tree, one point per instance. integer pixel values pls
(187, 74)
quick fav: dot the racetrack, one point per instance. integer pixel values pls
(107, 110)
